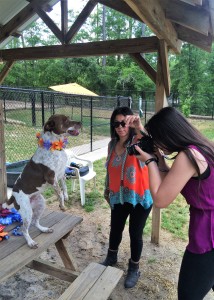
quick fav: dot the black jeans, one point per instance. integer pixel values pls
(196, 277)
(137, 220)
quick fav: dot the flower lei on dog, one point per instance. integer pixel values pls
(48, 145)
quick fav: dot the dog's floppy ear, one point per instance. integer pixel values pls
(49, 126)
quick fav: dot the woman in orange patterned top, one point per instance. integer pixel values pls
(127, 190)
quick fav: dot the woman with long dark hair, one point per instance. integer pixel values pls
(192, 175)
(127, 191)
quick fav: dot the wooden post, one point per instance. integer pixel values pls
(3, 178)
(160, 102)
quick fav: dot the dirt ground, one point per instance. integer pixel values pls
(89, 243)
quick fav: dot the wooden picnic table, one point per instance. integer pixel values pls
(15, 253)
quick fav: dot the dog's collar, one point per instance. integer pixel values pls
(52, 146)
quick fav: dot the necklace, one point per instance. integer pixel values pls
(59, 144)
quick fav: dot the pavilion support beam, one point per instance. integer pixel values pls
(160, 102)
(165, 66)
(85, 13)
(3, 178)
(137, 57)
(125, 46)
(5, 70)
(64, 17)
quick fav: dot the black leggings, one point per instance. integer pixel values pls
(137, 220)
(196, 277)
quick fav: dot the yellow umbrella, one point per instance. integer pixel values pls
(72, 88)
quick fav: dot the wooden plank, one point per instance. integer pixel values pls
(3, 178)
(53, 270)
(188, 16)
(67, 258)
(84, 282)
(195, 38)
(165, 66)
(19, 19)
(15, 242)
(144, 65)
(105, 284)
(113, 47)
(23, 255)
(85, 13)
(6, 69)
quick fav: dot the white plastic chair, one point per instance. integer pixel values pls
(82, 179)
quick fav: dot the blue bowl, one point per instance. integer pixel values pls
(13, 171)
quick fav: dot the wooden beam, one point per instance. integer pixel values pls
(49, 22)
(165, 66)
(160, 102)
(153, 15)
(19, 19)
(53, 270)
(187, 15)
(113, 47)
(211, 9)
(137, 57)
(3, 177)
(122, 7)
(80, 20)
(195, 38)
(64, 17)
(5, 70)
(160, 94)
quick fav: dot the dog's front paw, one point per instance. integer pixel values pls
(33, 245)
(62, 207)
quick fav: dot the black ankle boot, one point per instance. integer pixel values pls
(132, 275)
(111, 258)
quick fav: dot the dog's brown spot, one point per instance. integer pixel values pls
(60, 123)
(33, 176)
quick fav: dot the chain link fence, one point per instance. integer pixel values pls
(27, 110)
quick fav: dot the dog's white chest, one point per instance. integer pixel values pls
(55, 160)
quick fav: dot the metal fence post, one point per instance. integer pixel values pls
(33, 106)
(91, 121)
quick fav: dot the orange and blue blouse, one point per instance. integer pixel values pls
(128, 180)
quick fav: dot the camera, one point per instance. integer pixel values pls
(145, 143)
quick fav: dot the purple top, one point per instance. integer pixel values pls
(199, 194)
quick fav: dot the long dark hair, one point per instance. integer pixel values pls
(125, 111)
(171, 131)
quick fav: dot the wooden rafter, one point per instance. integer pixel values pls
(187, 15)
(122, 7)
(137, 57)
(194, 38)
(64, 17)
(49, 22)
(125, 46)
(153, 15)
(80, 20)
(5, 70)
(165, 66)
(19, 19)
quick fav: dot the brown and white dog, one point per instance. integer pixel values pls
(46, 167)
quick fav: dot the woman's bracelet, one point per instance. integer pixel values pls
(150, 160)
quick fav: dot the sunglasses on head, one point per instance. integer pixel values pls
(117, 124)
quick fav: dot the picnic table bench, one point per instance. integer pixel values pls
(15, 253)
(96, 282)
